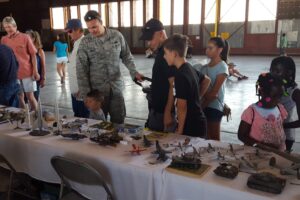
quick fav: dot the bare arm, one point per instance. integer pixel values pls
(181, 114)
(204, 86)
(170, 102)
(54, 49)
(35, 72)
(213, 93)
(43, 67)
(296, 98)
(168, 120)
(67, 51)
(244, 134)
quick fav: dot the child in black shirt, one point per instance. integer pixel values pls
(190, 86)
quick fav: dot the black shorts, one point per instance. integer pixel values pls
(213, 115)
(195, 126)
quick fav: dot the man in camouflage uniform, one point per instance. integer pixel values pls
(98, 65)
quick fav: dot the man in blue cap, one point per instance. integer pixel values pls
(162, 113)
(9, 87)
(75, 31)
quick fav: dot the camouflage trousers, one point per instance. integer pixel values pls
(114, 105)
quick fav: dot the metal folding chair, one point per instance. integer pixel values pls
(13, 176)
(71, 171)
(9, 180)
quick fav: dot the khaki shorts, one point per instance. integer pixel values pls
(28, 85)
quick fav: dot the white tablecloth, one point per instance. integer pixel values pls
(130, 177)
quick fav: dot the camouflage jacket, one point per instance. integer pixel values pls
(98, 62)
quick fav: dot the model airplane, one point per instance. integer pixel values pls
(185, 144)
(136, 150)
(147, 143)
(162, 154)
(210, 148)
(295, 167)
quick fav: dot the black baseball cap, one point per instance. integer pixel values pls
(92, 14)
(73, 24)
(151, 26)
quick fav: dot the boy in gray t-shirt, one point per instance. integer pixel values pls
(94, 101)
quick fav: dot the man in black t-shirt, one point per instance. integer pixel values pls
(190, 86)
(161, 115)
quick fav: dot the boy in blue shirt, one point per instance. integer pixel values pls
(94, 102)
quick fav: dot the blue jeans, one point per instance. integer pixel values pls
(9, 94)
(79, 108)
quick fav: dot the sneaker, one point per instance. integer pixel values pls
(240, 78)
(245, 77)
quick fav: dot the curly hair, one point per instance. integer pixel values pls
(289, 65)
(266, 82)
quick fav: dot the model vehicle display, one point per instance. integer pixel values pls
(76, 124)
(266, 182)
(227, 170)
(104, 125)
(4, 115)
(186, 161)
(10, 116)
(293, 169)
(74, 136)
(136, 137)
(107, 139)
(130, 128)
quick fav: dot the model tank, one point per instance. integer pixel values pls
(266, 182)
(76, 124)
(186, 161)
(104, 125)
(111, 139)
(226, 170)
(73, 136)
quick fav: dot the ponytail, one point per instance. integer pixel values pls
(220, 43)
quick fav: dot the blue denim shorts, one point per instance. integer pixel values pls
(213, 115)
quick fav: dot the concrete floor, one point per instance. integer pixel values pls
(239, 94)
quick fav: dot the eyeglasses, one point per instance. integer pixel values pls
(70, 31)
